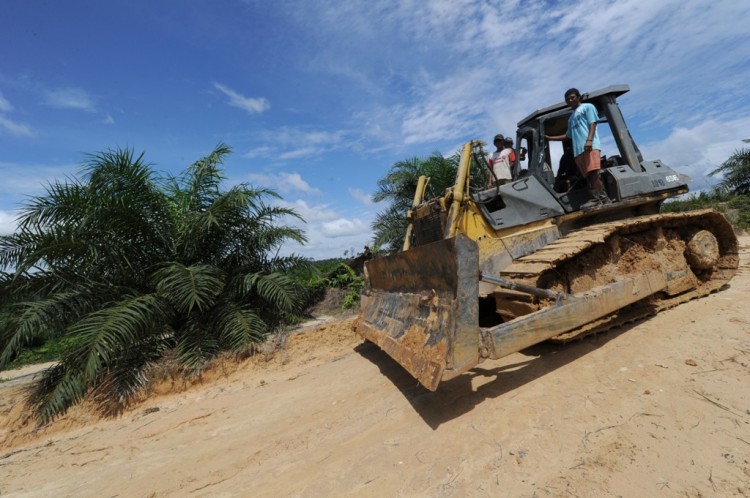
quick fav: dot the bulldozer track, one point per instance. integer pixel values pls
(531, 269)
(632, 314)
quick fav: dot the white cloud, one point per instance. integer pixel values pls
(7, 222)
(249, 104)
(262, 151)
(22, 180)
(290, 143)
(283, 182)
(329, 233)
(321, 247)
(15, 129)
(361, 196)
(69, 98)
(5, 106)
(699, 150)
(339, 237)
(318, 136)
(297, 183)
(108, 119)
(343, 227)
(11, 127)
(302, 152)
(450, 108)
(311, 213)
(455, 83)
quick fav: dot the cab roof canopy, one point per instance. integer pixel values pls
(615, 90)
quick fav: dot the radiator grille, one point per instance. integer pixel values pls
(428, 228)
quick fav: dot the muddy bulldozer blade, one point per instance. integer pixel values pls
(420, 307)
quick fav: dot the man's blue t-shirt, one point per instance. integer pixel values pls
(578, 128)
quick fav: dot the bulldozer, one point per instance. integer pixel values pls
(488, 271)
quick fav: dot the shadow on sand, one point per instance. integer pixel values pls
(457, 396)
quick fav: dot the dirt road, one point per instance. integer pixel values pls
(660, 408)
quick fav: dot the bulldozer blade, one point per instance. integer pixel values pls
(421, 307)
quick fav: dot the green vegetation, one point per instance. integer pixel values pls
(735, 207)
(113, 272)
(50, 350)
(343, 277)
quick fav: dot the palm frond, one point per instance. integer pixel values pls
(270, 238)
(131, 328)
(63, 203)
(199, 184)
(277, 289)
(59, 387)
(291, 263)
(127, 375)
(117, 173)
(116, 224)
(28, 321)
(390, 228)
(238, 328)
(735, 173)
(400, 179)
(16, 334)
(189, 287)
(107, 332)
(196, 345)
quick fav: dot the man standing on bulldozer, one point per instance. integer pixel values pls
(586, 146)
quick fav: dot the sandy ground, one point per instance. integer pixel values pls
(659, 408)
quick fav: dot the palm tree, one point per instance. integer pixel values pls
(132, 267)
(399, 185)
(736, 173)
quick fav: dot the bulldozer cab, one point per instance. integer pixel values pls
(618, 147)
(537, 191)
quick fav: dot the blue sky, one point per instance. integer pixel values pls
(319, 98)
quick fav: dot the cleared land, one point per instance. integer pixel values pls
(657, 408)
